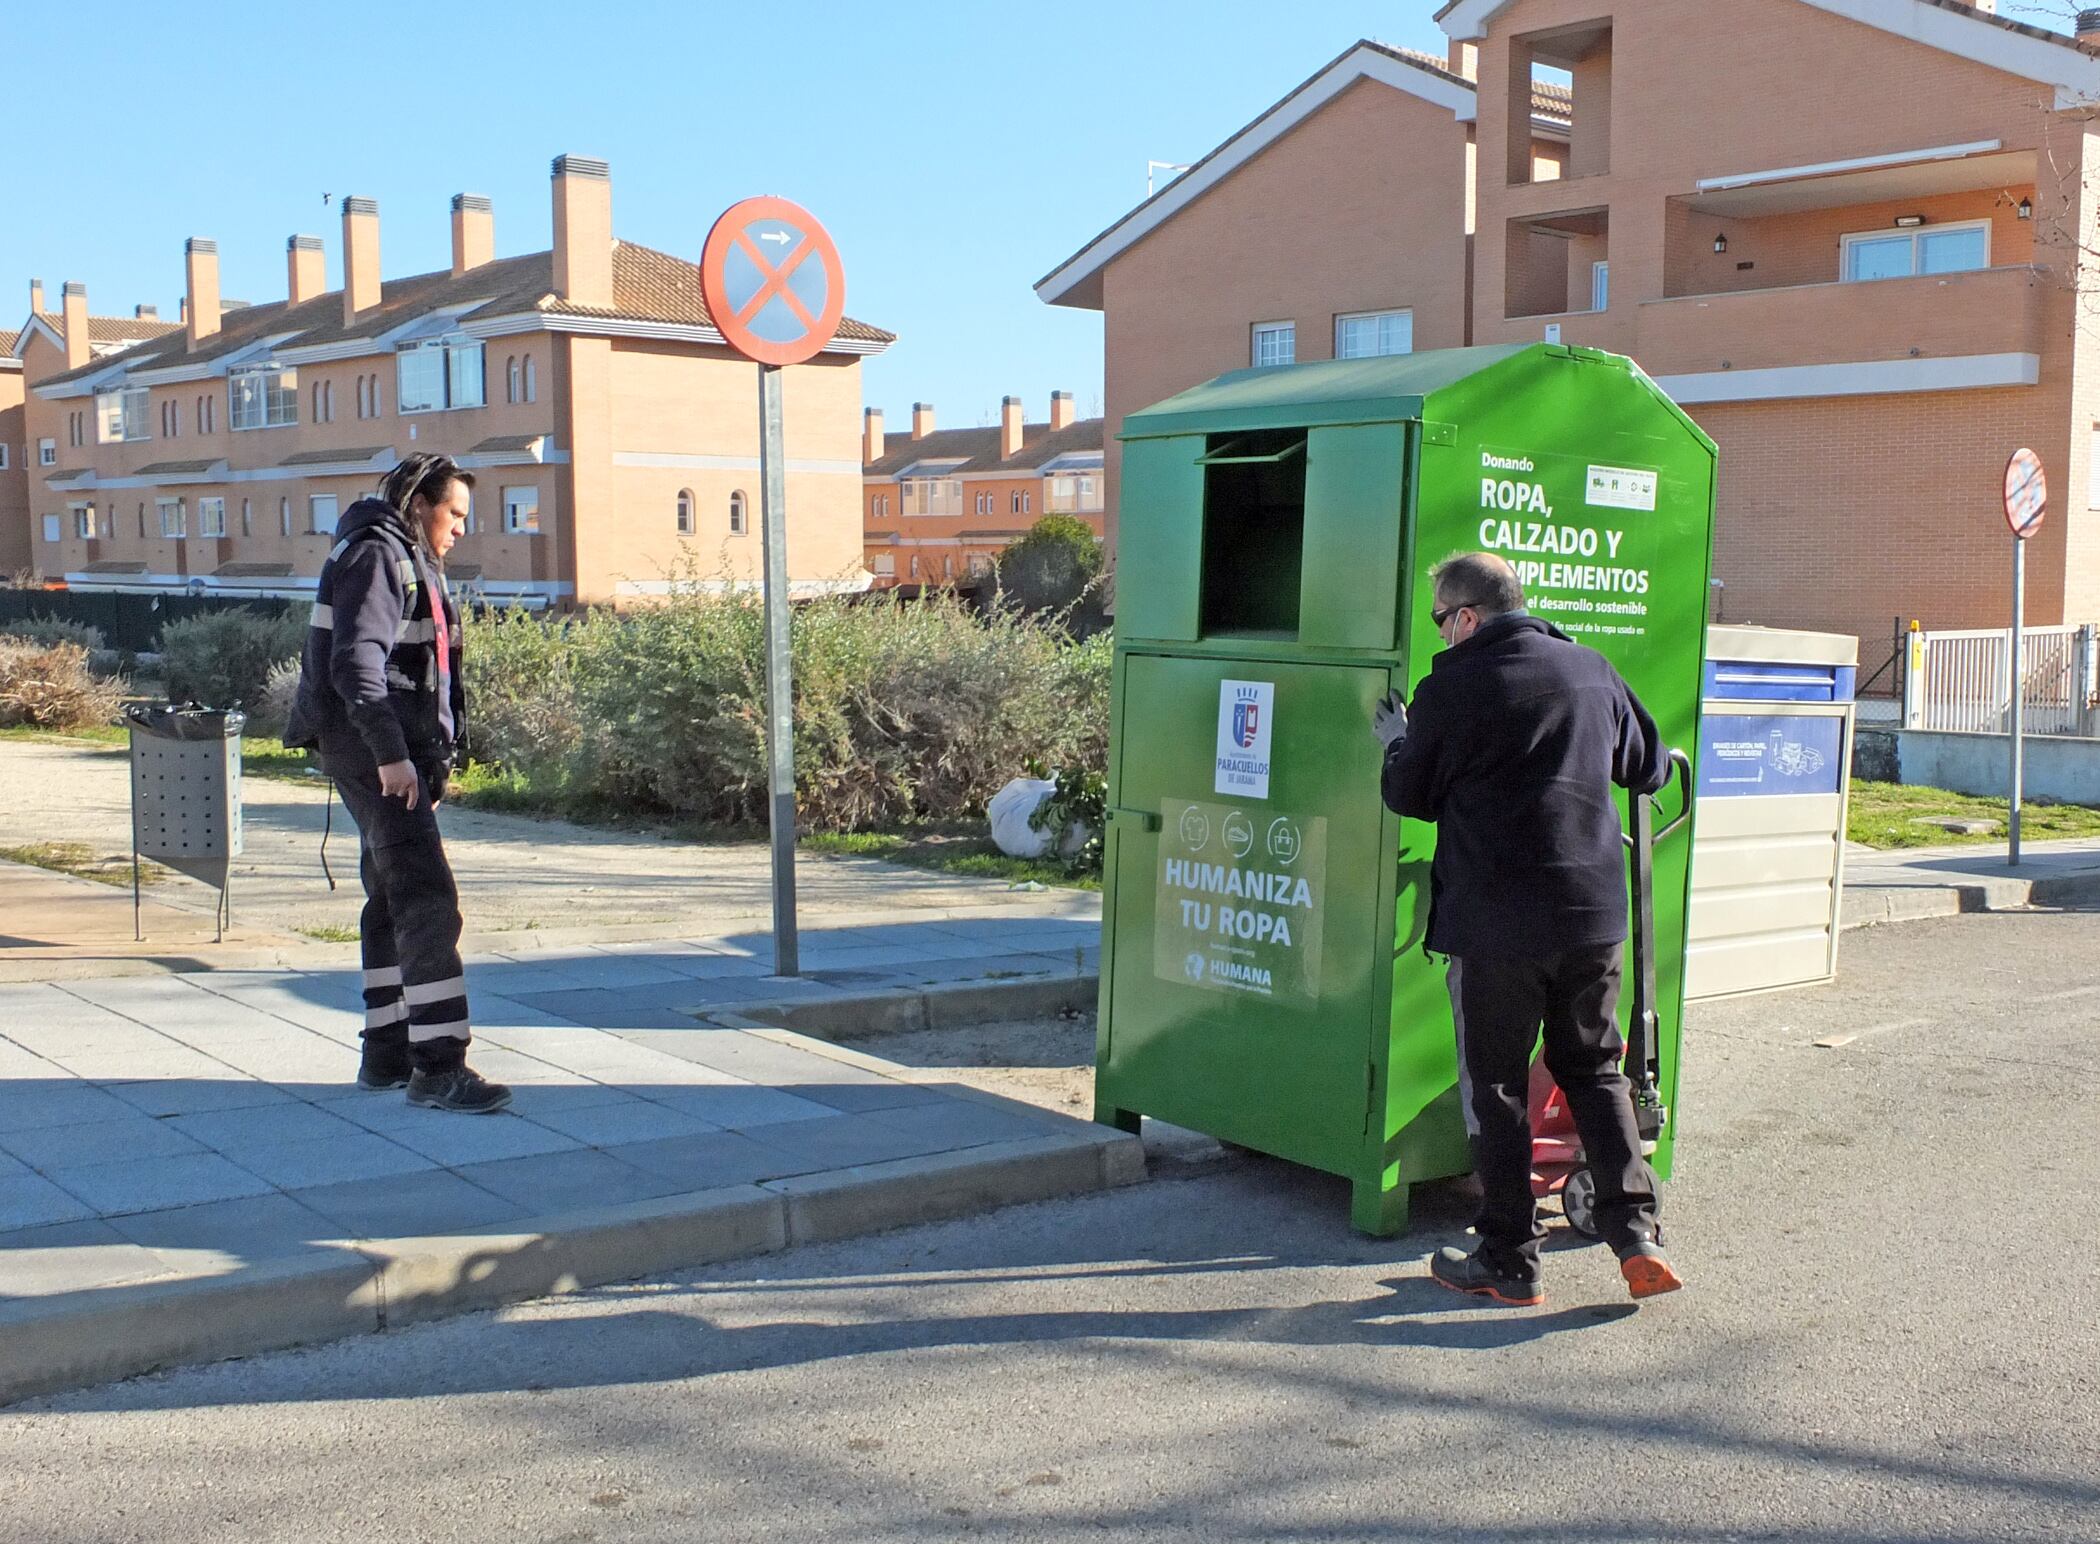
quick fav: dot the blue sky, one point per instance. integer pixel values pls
(956, 151)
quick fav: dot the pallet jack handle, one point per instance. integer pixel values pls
(1644, 1047)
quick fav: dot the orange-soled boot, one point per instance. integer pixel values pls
(1470, 1274)
(1647, 1273)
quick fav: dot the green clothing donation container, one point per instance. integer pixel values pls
(1263, 976)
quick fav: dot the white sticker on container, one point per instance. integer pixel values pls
(1246, 715)
(1621, 487)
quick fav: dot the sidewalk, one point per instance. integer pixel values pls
(1922, 882)
(187, 1171)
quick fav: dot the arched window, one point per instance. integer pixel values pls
(364, 399)
(513, 382)
(532, 384)
(737, 522)
(284, 516)
(685, 511)
(247, 521)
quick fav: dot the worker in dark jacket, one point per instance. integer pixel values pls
(380, 698)
(1511, 747)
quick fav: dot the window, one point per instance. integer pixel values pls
(1600, 286)
(882, 503)
(442, 373)
(980, 565)
(211, 517)
(247, 519)
(521, 511)
(173, 520)
(685, 512)
(54, 528)
(930, 496)
(1026, 500)
(915, 565)
(513, 379)
(532, 384)
(320, 514)
(72, 430)
(886, 564)
(284, 516)
(328, 401)
(3, 455)
(947, 568)
(1928, 249)
(1369, 334)
(170, 419)
(737, 522)
(203, 424)
(1275, 343)
(142, 519)
(264, 399)
(1074, 493)
(84, 521)
(119, 415)
(1013, 502)
(378, 395)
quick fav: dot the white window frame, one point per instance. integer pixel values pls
(532, 382)
(447, 387)
(272, 394)
(686, 517)
(114, 410)
(83, 520)
(47, 452)
(54, 528)
(211, 517)
(1269, 332)
(930, 496)
(739, 514)
(1600, 285)
(1341, 327)
(884, 565)
(518, 520)
(284, 514)
(247, 518)
(172, 529)
(1074, 493)
(1916, 233)
(314, 501)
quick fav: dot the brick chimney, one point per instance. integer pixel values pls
(1009, 428)
(583, 235)
(1064, 411)
(2088, 27)
(75, 306)
(921, 420)
(36, 297)
(145, 313)
(473, 232)
(305, 268)
(360, 256)
(871, 436)
(200, 257)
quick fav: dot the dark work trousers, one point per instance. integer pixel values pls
(1499, 1004)
(415, 984)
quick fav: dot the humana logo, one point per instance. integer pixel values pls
(1241, 975)
(1505, 463)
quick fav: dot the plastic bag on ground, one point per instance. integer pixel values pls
(1011, 809)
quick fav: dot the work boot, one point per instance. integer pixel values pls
(383, 1066)
(1647, 1273)
(1468, 1273)
(460, 1089)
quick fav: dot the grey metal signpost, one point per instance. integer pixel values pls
(773, 284)
(2026, 501)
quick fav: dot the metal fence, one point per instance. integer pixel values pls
(1963, 681)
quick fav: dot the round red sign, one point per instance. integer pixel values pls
(2026, 493)
(772, 281)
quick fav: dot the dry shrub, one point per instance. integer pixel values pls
(50, 687)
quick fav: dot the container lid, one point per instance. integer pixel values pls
(1780, 645)
(1389, 388)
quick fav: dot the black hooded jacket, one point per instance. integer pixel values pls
(371, 655)
(1514, 741)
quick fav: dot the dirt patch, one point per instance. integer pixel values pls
(1047, 1061)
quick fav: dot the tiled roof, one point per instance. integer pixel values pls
(462, 573)
(330, 457)
(177, 468)
(648, 286)
(252, 571)
(113, 329)
(115, 566)
(1547, 99)
(502, 444)
(7, 342)
(978, 449)
(2026, 28)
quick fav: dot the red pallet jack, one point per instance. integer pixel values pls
(1557, 1164)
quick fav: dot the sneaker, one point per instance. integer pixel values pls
(1468, 1273)
(1647, 1273)
(383, 1069)
(457, 1088)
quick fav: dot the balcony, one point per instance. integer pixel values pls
(1989, 311)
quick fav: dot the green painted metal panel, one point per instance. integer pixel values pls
(1159, 539)
(1569, 462)
(1355, 527)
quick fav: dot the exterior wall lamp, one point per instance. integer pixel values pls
(1720, 243)
(2026, 209)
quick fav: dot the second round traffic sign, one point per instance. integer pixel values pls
(772, 280)
(2026, 493)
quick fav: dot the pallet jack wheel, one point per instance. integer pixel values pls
(1578, 1202)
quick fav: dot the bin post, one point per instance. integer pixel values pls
(1914, 679)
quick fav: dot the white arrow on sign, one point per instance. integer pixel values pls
(780, 236)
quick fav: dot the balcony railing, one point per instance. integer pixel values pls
(1987, 311)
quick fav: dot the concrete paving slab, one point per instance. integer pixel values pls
(260, 1227)
(359, 1155)
(845, 1141)
(449, 1139)
(151, 1184)
(432, 1201)
(71, 1257)
(30, 1200)
(629, 1120)
(229, 1090)
(713, 1160)
(268, 1125)
(735, 1107)
(102, 1141)
(569, 1181)
(28, 1105)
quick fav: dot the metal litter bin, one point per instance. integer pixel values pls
(1775, 776)
(186, 798)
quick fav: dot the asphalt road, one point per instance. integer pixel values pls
(1890, 1336)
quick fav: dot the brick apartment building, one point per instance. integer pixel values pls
(614, 435)
(942, 504)
(1843, 233)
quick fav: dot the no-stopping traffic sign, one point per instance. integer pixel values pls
(772, 281)
(2026, 493)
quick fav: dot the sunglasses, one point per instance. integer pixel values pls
(1445, 615)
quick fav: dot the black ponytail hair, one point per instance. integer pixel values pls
(430, 475)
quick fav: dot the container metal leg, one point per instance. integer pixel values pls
(1379, 1206)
